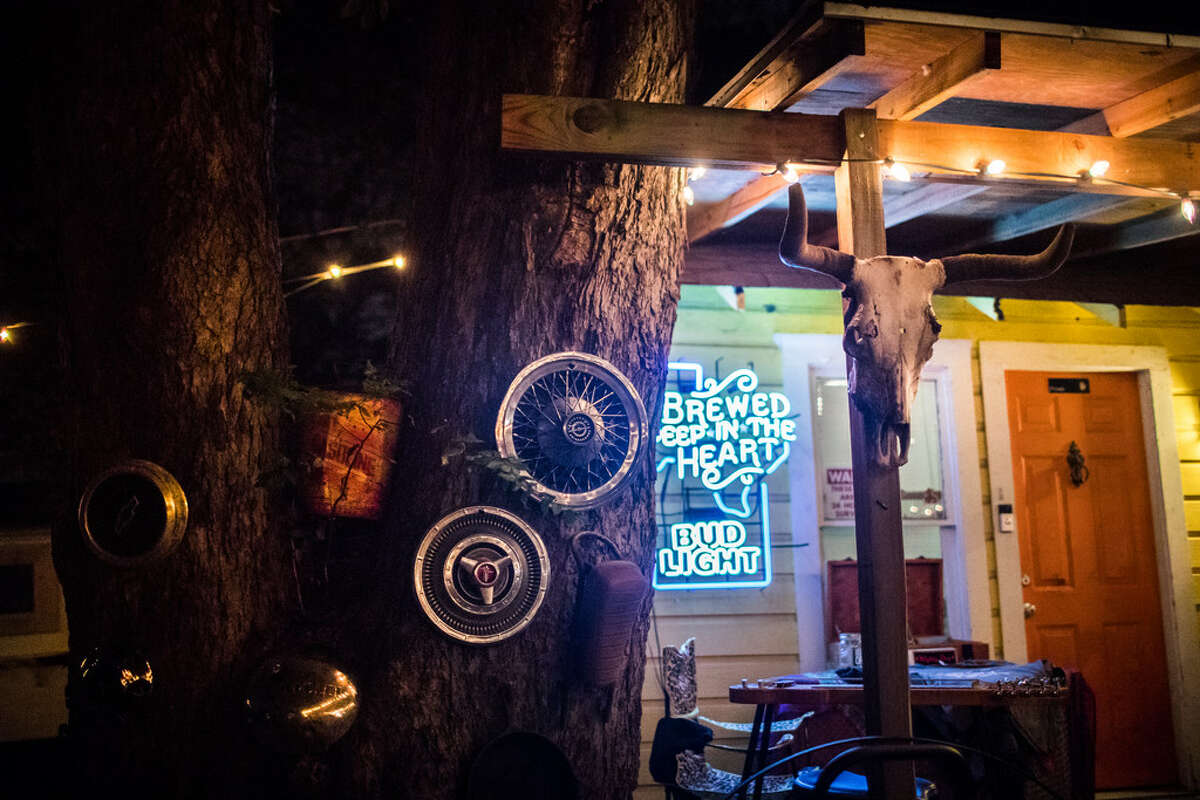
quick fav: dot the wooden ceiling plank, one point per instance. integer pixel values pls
(1047, 215)
(1172, 100)
(676, 135)
(1154, 229)
(926, 200)
(712, 217)
(941, 78)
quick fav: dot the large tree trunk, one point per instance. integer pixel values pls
(517, 259)
(155, 128)
(154, 140)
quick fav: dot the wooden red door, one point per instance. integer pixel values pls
(1088, 559)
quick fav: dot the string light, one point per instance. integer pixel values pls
(790, 174)
(334, 271)
(1188, 209)
(897, 171)
(6, 336)
(995, 166)
(696, 173)
(689, 196)
(1098, 168)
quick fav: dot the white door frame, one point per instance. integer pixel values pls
(964, 548)
(1166, 502)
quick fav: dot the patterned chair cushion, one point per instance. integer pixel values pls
(694, 773)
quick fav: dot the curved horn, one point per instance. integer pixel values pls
(973, 267)
(795, 251)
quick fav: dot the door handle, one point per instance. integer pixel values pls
(1030, 610)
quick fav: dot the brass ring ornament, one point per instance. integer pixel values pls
(133, 513)
(576, 423)
(481, 574)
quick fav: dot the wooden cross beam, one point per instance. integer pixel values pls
(937, 80)
(683, 136)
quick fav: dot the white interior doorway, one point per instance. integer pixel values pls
(814, 362)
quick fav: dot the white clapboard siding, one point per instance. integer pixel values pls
(777, 598)
(733, 635)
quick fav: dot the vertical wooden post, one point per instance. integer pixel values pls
(877, 523)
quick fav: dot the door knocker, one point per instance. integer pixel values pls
(1079, 472)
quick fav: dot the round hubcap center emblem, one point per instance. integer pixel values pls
(486, 573)
(579, 429)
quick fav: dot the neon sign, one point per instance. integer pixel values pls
(720, 439)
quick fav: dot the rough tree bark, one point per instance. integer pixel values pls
(154, 138)
(154, 131)
(515, 260)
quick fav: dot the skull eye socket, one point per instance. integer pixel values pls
(933, 322)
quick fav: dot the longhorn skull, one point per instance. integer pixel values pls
(889, 319)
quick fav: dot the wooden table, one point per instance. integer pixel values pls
(767, 699)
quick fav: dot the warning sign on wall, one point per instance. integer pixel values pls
(839, 494)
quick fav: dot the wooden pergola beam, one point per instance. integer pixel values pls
(805, 21)
(676, 135)
(1157, 106)
(942, 78)
(1171, 100)
(1097, 272)
(802, 67)
(871, 13)
(932, 84)
(789, 67)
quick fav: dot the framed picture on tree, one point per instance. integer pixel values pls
(33, 620)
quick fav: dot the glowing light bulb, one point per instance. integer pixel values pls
(398, 262)
(1098, 169)
(5, 336)
(995, 166)
(696, 173)
(334, 271)
(689, 196)
(897, 171)
(790, 174)
(1188, 209)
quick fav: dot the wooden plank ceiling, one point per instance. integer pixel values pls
(960, 70)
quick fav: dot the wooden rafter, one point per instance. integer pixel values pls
(710, 217)
(874, 13)
(942, 78)
(1142, 112)
(1158, 106)
(676, 135)
(799, 69)
(789, 67)
(936, 81)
